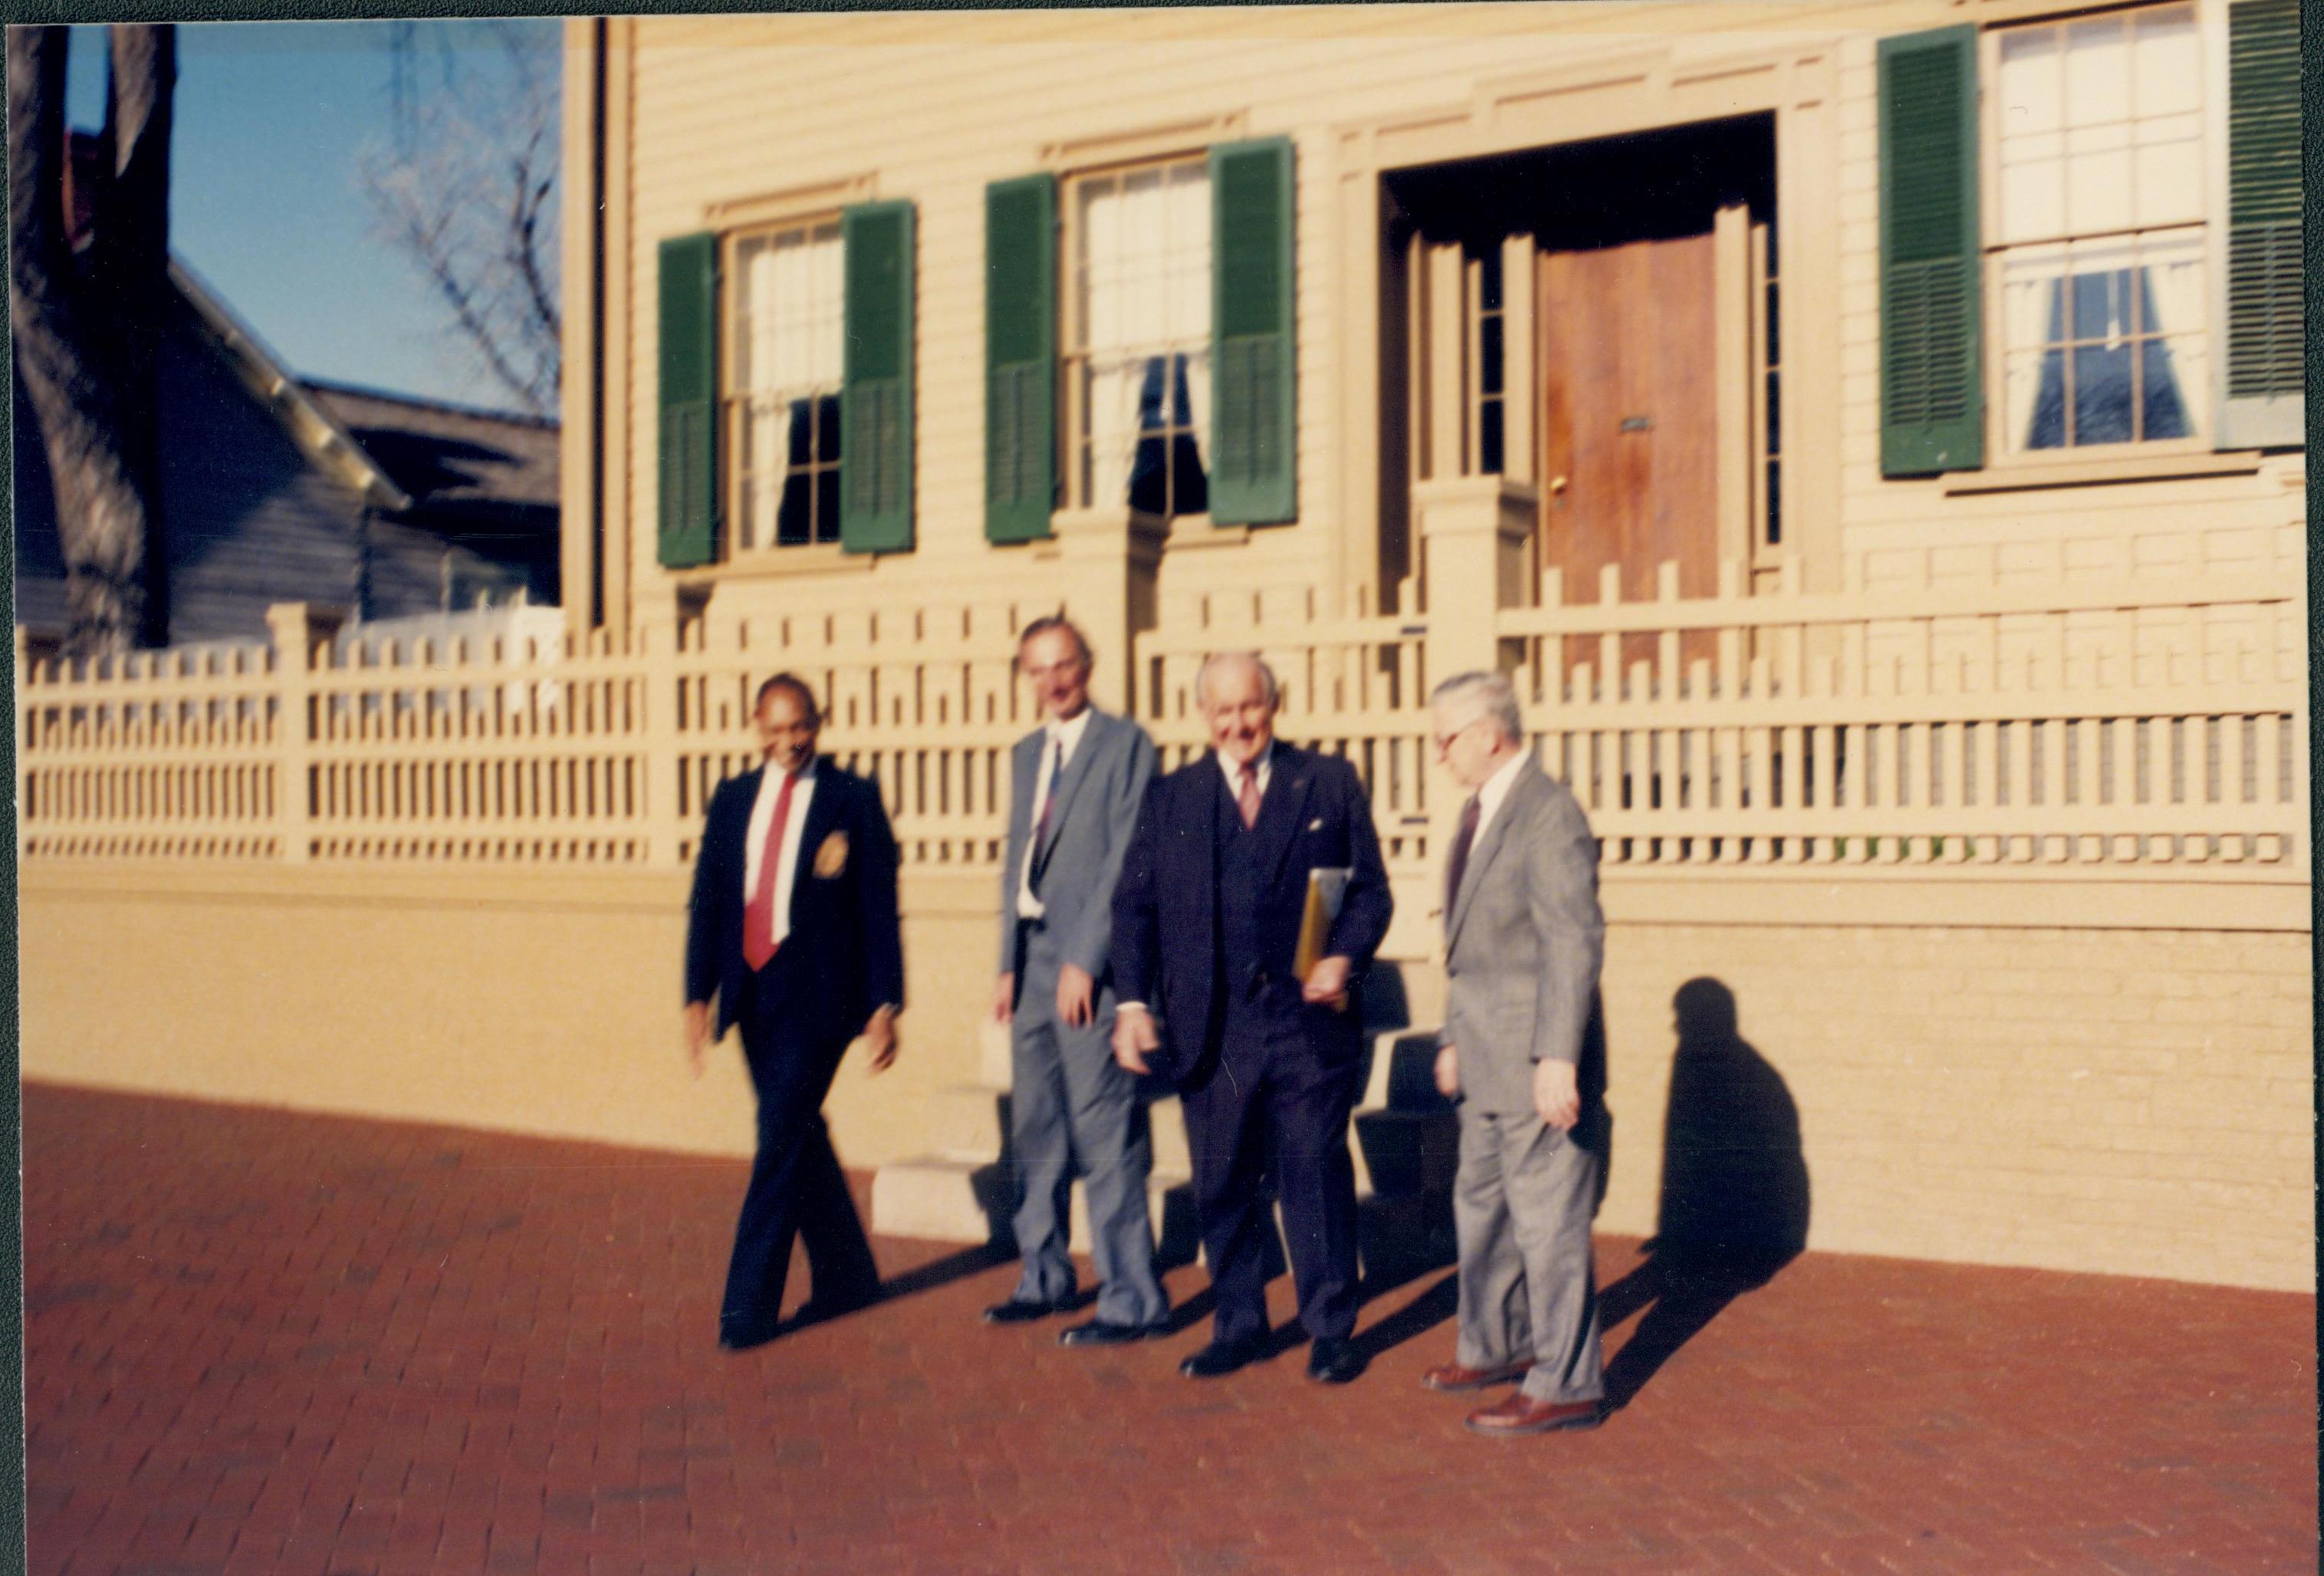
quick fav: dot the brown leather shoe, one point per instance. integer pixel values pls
(1452, 1376)
(1521, 1414)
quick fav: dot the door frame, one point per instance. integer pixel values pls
(1624, 91)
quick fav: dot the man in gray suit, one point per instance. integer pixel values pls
(1522, 940)
(1077, 785)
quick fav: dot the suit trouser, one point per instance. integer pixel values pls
(1269, 1084)
(797, 1191)
(1522, 1201)
(1069, 1100)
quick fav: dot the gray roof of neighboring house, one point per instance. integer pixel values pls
(442, 453)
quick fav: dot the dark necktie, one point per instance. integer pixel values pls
(1035, 861)
(759, 917)
(1463, 841)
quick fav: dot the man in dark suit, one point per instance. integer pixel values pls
(1206, 928)
(793, 930)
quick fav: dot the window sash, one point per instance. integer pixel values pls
(785, 300)
(1134, 335)
(2130, 98)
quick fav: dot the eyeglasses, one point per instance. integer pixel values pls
(1444, 741)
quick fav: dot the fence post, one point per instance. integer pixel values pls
(1475, 535)
(298, 629)
(657, 633)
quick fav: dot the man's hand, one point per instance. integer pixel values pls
(1134, 1034)
(1554, 1096)
(1327, 983)
(1448, 1071)
(697, 1035)
(1004, 997)
(1076, 996)
(879, 1033)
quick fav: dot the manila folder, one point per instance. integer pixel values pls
(1327, 888)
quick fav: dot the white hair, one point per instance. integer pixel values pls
(1267, 685)
(1494, 695)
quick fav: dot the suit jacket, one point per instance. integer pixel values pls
(1092, 812)
(1524, 940)
(1167, 948)
(843, 910)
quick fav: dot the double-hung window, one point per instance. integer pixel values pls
(2089, 235)
(1137, 337)
(785, 339)
(1139, 348)
(785, 368)
(2097, 261)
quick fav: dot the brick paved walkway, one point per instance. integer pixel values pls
(262, 1342)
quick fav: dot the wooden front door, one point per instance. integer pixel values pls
(1630, 444)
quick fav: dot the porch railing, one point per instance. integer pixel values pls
(2087, 721)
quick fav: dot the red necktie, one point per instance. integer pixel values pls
(759, 916)
(1246, 798)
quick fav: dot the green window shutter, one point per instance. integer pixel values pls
(1932, 388)
(688, 462)
(2265, 348)
(1253, 457)
(1020, 357)
(875, 400)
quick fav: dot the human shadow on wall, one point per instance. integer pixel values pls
(1734, 1208)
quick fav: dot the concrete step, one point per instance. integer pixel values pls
(946, 1198)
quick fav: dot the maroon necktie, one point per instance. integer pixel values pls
(1247, 796)
(759, 917)
(1463, 841)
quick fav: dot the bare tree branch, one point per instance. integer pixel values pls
(465, 187)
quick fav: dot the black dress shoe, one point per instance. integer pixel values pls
(1105, 1332)
(1332, 1359)
(1219, 1357)
(1018, 1311)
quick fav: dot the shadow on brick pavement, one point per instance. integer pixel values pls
(265, 1341)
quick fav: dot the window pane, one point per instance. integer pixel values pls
(2167, 70)
(2100, 311)
(2033, 81)
(827, 429)
(826, 506)
(2034, 400)
(2098, 71)
(796, 451)
(2097, 178)
(791, 522)
(2163, 409)
(1488, 438)
(1488, 279)
(1488, 358)
(2102, 395)
(2168, 171)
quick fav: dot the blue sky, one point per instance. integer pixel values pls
(264, 203)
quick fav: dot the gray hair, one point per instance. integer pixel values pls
(1057, 621)
(1267, 685)
(1494, 695)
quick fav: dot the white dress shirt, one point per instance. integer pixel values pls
(762, 815)
(1264, 765)
(1056, 752)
